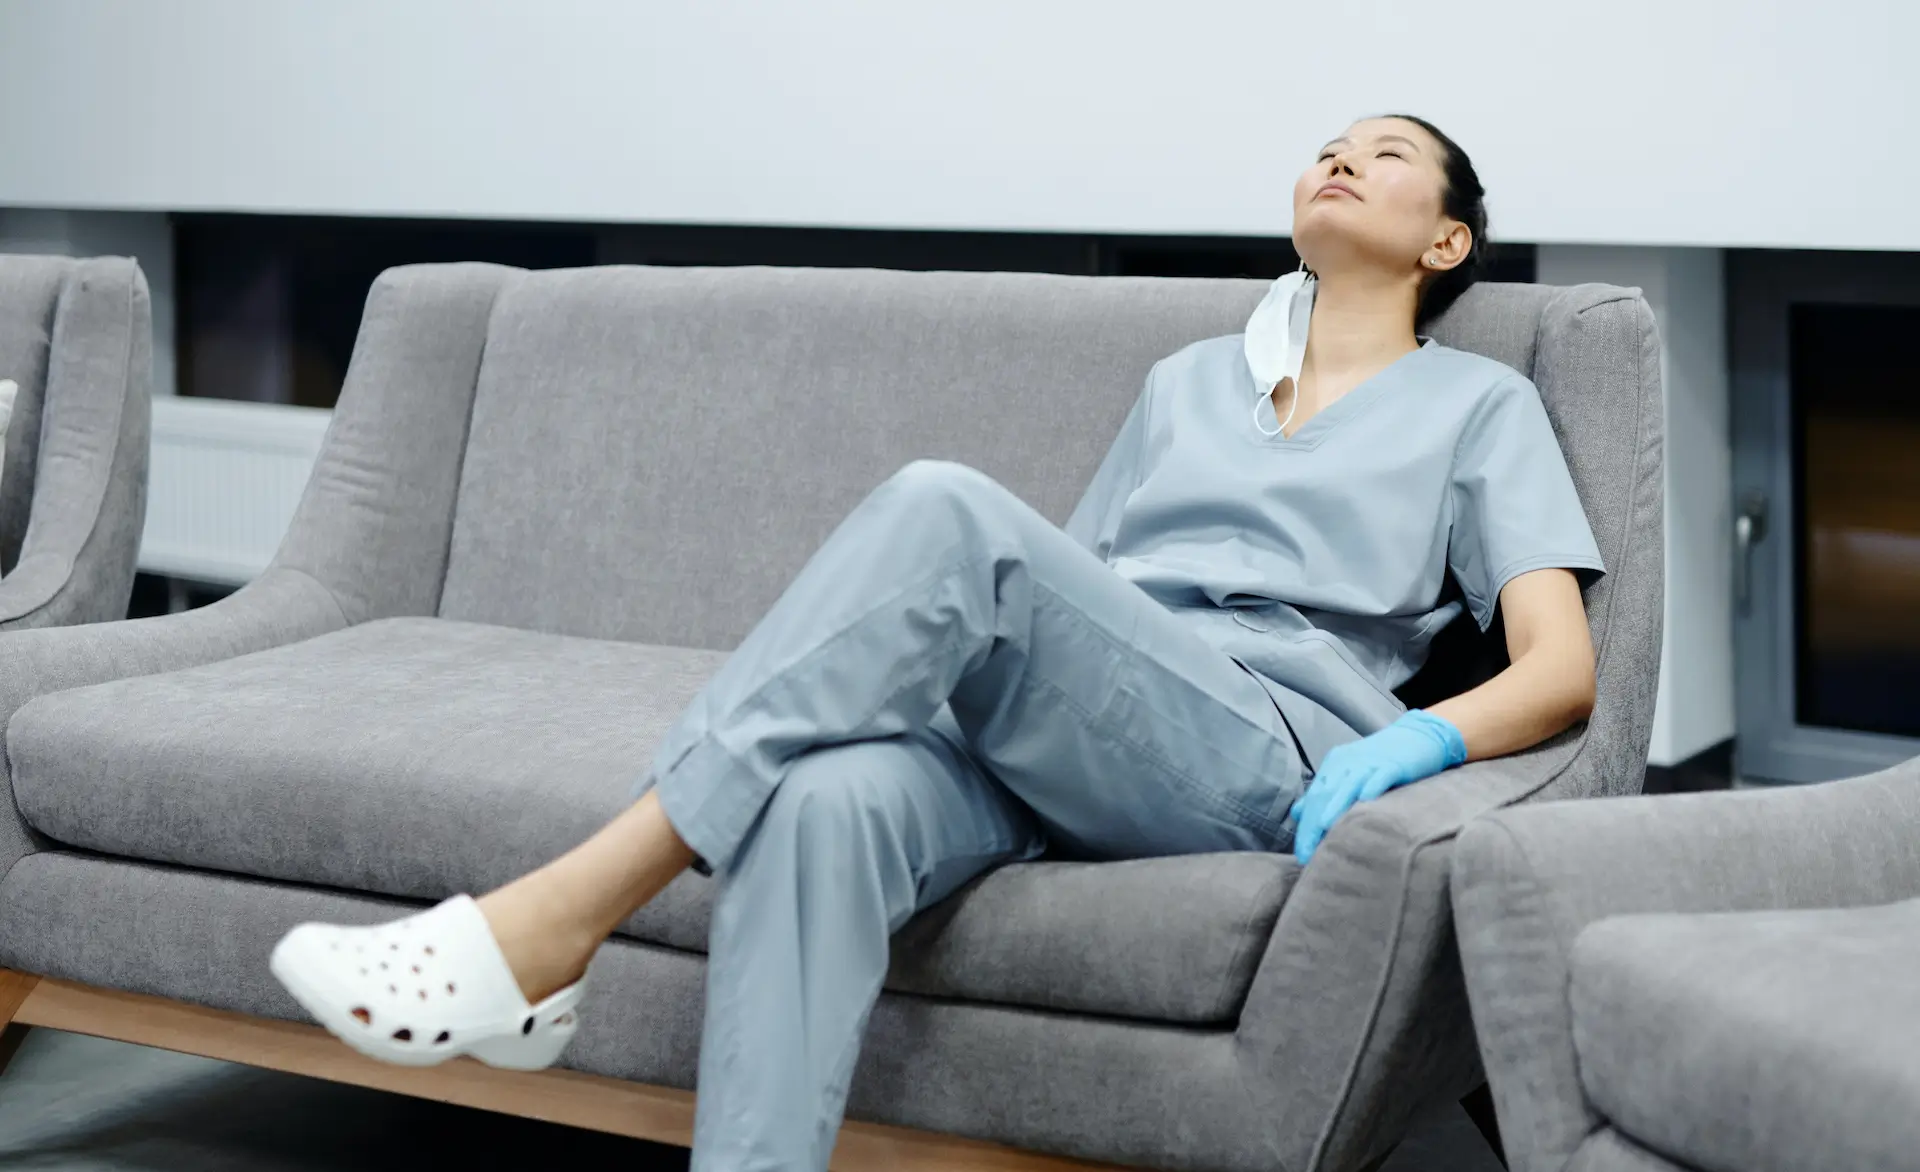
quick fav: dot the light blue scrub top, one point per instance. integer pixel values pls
(1320, 560)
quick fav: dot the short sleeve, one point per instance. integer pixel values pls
(1514, 505)
(1096, 519)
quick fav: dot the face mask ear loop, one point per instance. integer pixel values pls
(1291, 408)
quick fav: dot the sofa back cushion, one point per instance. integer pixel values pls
(655, 452)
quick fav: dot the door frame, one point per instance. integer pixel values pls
(1771, 744)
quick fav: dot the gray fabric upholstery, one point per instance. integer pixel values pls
(1607, 1150)
(1763, 1041)
(77, 336)
(1527, 882)
(374, 523)
(652, 452)
(393, 758)
(369, 538)
(1086, 1086)
(29, 293)
(717, 424)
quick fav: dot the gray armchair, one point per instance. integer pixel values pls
(1701, 982)
(77, 336)
(547, 504)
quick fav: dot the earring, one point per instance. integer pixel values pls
(1431, 262)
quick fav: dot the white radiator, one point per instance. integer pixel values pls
(225, 481)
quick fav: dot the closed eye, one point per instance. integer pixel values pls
(1394, 155)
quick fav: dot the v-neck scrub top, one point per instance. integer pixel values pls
(1320, 561)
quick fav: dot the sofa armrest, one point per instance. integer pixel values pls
(41, 592)
(1527, 881)
(89, 501)
(1357, 1019)
(282, 606)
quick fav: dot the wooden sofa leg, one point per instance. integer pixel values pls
(14, 988)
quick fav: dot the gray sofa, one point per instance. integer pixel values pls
(77, 335)
(548, 503)
(1701, 982)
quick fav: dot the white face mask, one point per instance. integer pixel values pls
(1276, 340)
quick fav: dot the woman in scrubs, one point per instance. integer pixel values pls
(1203, 659)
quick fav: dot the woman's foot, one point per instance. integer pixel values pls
(497, 977)
(424, 989)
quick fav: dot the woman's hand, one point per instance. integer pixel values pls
(1417, 745)
(1547, 687)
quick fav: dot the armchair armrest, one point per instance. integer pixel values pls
(77, 561)
(1357, 1018)
(1527, 882)
(282, 606)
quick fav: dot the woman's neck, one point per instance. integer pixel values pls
(1361, 323)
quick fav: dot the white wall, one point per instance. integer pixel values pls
(1772, 122)
(145, 236)
(1686, 288)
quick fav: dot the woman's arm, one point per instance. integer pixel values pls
(1549, 684)
(1547, 687)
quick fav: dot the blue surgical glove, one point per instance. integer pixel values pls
(1417, 745)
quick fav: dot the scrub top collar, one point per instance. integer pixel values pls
(1314, 429)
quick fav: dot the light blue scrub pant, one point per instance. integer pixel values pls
(950, 683)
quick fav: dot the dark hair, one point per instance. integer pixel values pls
(1466, 201)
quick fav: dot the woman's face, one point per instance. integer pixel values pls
(1374, 196)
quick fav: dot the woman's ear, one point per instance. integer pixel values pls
(1453, 245)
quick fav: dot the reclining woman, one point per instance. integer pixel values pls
(1202, 660)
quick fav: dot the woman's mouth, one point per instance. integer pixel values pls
(1335, 187)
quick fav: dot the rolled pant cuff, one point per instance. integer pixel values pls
(712, 800)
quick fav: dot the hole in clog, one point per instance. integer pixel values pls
(526, 1027)
(393, 947)
(363, 972)
(403, 1035)
(563, 1019)
(416, 970)
(443, 1039)
(362, 1014)
(449, 988)
(428, 950)
(423, 994)
(393, 988)
(383, 966)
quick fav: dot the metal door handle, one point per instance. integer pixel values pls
(1749, 529)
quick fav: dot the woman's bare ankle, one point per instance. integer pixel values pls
(545, 950)
(549, 923)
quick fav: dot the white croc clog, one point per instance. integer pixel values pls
(419, 991)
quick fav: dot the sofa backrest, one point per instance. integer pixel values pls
(653, 453)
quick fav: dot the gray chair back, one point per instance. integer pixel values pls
(77, 336)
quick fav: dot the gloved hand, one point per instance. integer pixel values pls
(1417, 745)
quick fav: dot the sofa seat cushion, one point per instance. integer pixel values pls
(422, 757)
(1773, 1041)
